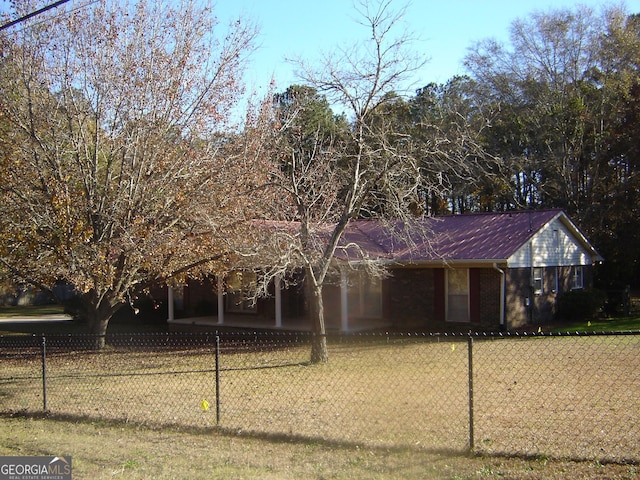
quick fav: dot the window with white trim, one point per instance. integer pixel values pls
(538, 280)
(577, 277)
(457, 298)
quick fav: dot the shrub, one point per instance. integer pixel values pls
(581, 304)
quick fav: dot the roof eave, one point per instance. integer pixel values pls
(566, 221)
(443, 262)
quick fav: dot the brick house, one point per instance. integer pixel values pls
(478, 271)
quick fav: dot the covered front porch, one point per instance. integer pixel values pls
(348, 308)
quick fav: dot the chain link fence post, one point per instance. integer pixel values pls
(44, 372)
(217, 380)
(470, 373)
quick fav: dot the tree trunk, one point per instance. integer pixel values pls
(98, 317)
(98, 331)
(319, 353)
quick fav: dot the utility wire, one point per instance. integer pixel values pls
(32, 14)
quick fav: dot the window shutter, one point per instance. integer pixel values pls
(439, 293)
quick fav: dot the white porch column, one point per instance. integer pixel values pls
(278, 295)
(220, 300)
(170, 305)
(344, 301)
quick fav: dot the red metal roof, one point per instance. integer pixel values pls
(473, 237)
(477, 237)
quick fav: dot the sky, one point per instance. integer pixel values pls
(290, 28)
(445, 28)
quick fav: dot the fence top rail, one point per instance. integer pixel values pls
(246, 335)
(529, 334)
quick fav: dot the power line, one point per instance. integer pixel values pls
(32, 14)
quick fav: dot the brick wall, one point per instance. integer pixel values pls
(518, 289)
(410, 297)
(541, 307)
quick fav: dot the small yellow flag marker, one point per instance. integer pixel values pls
(204, 405)
(453, 347)
(539, 329)
(588, 323)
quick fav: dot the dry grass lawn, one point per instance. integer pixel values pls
(104, 451)
(376, 410)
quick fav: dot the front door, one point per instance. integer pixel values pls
(457, 295)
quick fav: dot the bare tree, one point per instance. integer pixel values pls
(363, 165)
(121, 173)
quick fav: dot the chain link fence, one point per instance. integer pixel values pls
(561, 396)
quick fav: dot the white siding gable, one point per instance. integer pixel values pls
(553, 245)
